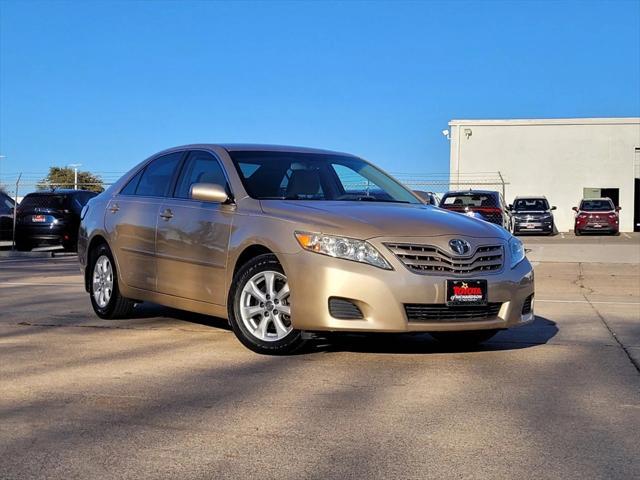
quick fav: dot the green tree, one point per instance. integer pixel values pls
(63, 177)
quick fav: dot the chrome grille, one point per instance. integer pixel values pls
(433, 260)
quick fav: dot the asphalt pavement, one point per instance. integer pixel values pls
(169, 394)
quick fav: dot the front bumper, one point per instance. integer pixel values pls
(381, 295)
(532, 226)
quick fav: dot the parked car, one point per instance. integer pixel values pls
(532, 215)
(7, 207)
(429, 198)
(276, 240)
(596, 215)
(483, 204)
(50, 218)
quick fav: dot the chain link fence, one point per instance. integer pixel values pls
(18, 185)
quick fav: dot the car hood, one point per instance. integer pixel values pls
(367, 220)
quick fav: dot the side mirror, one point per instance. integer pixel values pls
(575, 209)
(209, 192)
(618, 209)
(510, 207)
(553, 208)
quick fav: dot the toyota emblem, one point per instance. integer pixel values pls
(459, 246)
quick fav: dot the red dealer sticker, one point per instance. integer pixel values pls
(466, 292)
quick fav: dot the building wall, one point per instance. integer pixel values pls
(556, 158)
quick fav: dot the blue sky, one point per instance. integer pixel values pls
(106, 84)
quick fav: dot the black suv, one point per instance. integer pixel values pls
(50, 218)
(6, 217)
(532, 215)
(484, 204)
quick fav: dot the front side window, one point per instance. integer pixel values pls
(156, 177)
(200, 167)
(315, 176)
(597, 205)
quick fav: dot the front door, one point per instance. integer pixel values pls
(193, 236)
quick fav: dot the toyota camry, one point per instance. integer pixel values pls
(285, 242)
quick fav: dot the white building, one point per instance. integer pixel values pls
(562, 159)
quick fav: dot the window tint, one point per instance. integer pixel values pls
(469, 200)
(53, 202)
(200, 167)
(130, 188)
(597, 205)
(6, 204)
(156, 177)
(315, 176)
(81, 199)
(532, 204)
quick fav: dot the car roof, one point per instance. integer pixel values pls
(236, 147)
(597, 199)
(58, 191)
(467, 192)
(531, 197)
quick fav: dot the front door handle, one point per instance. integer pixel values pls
(114, 208)
(167, 214)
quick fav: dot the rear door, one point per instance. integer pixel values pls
(131, 219)
(193, 236)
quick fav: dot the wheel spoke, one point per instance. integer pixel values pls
(269, 283)
(261, 331)
(285, 309)
(255, 291)
(283, 292)
(281, 329)
(252, 311)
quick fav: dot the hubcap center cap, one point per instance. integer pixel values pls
(269, 306)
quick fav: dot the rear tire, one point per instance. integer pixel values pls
(463, 339)
(578, 233)
(259, 309)
(106, 299)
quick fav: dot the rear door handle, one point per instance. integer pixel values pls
(114, 208)
(167, 214)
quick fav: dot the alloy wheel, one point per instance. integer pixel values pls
(102, 281)
(264, 306)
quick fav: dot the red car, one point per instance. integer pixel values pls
(596, 215)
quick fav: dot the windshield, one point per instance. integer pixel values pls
(531, 204)
(596, 205)
(312, 176)
(461, 200)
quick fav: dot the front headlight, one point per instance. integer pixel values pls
(517, 251)
(342, 247)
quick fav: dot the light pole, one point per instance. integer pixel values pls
(75, 174)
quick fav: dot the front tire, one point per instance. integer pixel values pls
(259, 308)
(106, 299)
(463, 339)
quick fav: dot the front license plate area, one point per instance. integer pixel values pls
(466, 292)
(37, 218)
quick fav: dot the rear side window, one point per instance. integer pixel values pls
(200, 167)
(130, 188)
(156, 177)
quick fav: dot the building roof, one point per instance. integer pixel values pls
(550, 121)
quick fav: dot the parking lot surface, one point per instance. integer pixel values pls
(169, 394)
